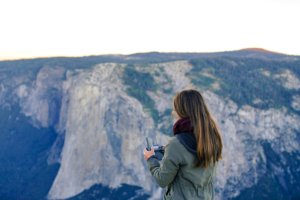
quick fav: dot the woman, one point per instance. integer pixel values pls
(190, 158)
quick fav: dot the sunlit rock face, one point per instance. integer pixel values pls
(105, 131)
(102, 114)
(41, 100)
(288, 79)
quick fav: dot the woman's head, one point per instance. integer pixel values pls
(190, 104)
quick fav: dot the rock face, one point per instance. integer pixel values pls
(288, 79)
(105, 130)
(102, 122)
(41, 100)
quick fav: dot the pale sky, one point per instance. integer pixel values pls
(42, 28)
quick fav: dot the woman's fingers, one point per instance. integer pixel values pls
(148, 154)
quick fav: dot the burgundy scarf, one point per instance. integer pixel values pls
(183, 125)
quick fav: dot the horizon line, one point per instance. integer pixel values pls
(257, 49)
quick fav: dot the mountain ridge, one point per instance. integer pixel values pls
(256, 50)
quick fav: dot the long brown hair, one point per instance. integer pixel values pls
(190, 104)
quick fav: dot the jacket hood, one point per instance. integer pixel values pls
(188, 140)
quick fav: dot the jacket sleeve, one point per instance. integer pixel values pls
(165, 171)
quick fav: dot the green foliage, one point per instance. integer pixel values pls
(138, 84)
(201, 80)
(141, 80)
(242, 81)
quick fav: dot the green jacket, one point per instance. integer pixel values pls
(176, 172)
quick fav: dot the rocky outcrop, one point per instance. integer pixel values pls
(288, 79)
(105, 131)
(41, 100)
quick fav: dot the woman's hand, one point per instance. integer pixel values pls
(148, 154)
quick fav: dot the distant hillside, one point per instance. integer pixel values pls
(75, 128)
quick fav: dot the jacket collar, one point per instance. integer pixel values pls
(188, 140)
